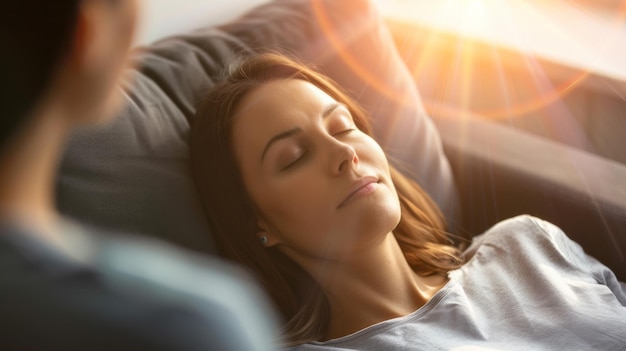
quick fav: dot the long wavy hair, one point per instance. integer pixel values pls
(421, 232)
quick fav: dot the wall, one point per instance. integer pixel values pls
(163, 17)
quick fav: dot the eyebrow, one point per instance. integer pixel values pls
(291, 132)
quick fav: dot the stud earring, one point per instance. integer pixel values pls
(263, 240)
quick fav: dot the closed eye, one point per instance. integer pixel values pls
(293, 163)
(346, 131)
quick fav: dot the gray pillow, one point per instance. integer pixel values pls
(132, 175)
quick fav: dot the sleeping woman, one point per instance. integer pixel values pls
(354, 255)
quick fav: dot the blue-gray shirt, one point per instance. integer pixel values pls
(105, 293)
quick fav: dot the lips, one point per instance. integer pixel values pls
(359, 188)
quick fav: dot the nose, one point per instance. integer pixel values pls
(345, 158)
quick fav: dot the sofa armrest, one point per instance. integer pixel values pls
(502, 172)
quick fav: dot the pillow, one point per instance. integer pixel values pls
(132, 175)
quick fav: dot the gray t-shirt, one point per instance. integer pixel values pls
(525, 286)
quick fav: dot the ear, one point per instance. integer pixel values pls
(265, 234)
(88, 42)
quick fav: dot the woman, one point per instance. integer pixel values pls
(353, 254)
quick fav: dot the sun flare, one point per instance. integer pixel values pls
(506, 58)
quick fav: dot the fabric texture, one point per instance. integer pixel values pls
(525, 286)
(132, 175)
(105, 293)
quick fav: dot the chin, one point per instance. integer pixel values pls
(380, 217)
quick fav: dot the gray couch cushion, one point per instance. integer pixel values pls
(132, 175)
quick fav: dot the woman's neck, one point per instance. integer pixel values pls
(375, 286)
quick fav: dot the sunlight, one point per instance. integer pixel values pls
(474, 14)
(530, 54)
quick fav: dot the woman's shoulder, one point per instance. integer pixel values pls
(524, 222)
(522, 230)
(525, 241)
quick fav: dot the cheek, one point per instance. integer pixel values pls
(295, 205)
(299, 210)
(372, 154)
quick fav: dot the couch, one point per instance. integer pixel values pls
(132, 175)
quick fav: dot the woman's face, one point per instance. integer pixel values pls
(322, 188)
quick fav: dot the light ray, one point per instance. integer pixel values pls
(330, 32)
(470, 19)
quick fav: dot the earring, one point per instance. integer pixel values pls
(263, 240)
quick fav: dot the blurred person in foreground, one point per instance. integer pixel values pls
(64, 286)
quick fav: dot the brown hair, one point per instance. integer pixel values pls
(304, 307)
